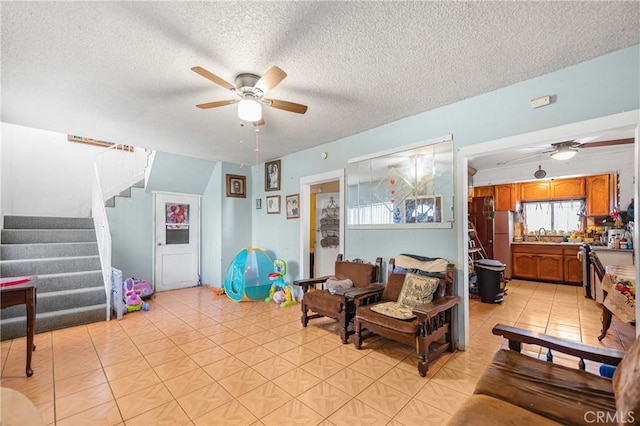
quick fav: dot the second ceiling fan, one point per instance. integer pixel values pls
(565, 150)
(250, 90)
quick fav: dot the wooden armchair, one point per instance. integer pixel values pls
(433, 327)
(340, 306)
(520, 389)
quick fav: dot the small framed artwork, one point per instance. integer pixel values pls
(236, 186)
(293, 206)
(273, 204)
(272, 175)
(258, 203)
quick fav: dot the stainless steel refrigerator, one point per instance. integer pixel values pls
(502, 237)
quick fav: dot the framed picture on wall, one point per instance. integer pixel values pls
(273, 204)
(236, 186)
(272, 175)
(293, 206)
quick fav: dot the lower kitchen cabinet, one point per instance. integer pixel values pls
(546, 262)
(572, 266)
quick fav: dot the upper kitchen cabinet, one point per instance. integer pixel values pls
(535, 191)
(483, 191)
(568, 188)
(506, 197)
(601, 194)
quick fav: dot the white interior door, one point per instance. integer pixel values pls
(327, 226)
(177, 241)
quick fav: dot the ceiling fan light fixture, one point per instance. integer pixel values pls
(564, 153)
(249, 110)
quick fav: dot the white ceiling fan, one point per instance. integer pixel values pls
(250, 90)
(562, 151)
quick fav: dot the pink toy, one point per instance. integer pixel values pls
(132, 299)
(142, 286)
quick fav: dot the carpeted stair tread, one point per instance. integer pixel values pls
(54, 265)
(47, 250)
(16, 327)
(68, 281)
(60, 301)
(42, 222)
(33, 236)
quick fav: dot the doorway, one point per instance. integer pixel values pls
(177, 241)
(465, 153)
(316, 193)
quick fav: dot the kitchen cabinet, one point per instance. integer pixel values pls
(535, 191)
(572, 266)
(568, 188)
(599, 202)
(539, 262)
(506, 197)
(483, 191)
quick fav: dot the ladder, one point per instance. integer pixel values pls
(476, 249)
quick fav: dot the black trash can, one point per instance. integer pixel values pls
(490, 281)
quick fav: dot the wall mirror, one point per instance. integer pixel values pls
(411, 186)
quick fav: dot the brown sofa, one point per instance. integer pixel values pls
(431, 332)
(365, 277)
(521, 390)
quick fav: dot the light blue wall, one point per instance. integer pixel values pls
(177, 173)
(606, 85)
(235, 218)
(131, 225)
(211, 229)
(226, 224)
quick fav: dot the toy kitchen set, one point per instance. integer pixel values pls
(613, 245)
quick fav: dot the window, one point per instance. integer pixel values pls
(553, 215)
(406, 187)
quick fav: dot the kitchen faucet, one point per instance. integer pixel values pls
(540, 233)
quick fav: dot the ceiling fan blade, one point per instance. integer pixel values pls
(607, 143)
(270, 79)
(217, 104)
(210, 76)
(287, 106)
(504, 163)
(260, 122)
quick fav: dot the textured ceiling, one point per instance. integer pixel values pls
(120, 71)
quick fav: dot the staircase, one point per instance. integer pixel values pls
(63, 254)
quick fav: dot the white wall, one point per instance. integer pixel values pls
(44, 174)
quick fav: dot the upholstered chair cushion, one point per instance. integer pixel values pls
(394, 310)
(393, 287)
(362, 274)
(417, 290)
(323, 300)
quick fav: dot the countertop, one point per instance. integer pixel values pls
(551, 243)
(546, 243)
(605, 248)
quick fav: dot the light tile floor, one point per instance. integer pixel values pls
(196, 358)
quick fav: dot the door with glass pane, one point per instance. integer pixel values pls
(177, 235)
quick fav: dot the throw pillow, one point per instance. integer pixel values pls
(394, 310)
(417, 290)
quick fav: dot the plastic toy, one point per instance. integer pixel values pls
(132, 298)
(143, 287)
(279, 297)
(247, 277)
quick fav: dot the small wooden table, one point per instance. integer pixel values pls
(17, 291)
(622, 304)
